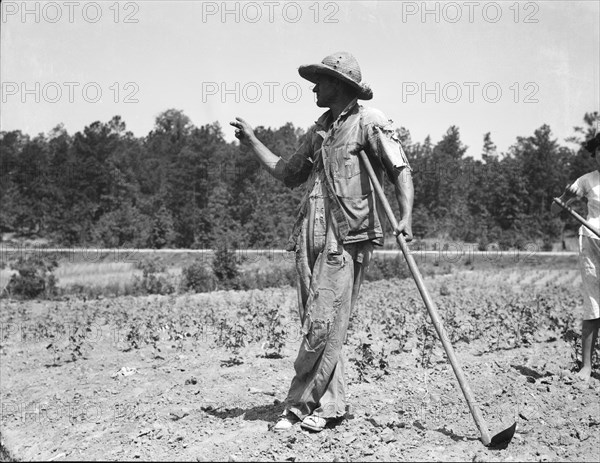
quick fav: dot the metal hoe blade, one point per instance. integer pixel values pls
(501, 440)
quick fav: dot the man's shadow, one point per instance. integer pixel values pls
(258, 413)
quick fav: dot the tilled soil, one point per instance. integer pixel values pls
(190, 401)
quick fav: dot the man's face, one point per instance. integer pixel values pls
(326, 89)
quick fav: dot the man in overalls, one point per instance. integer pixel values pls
(338, 224)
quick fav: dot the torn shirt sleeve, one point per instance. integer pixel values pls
(297, 169)
(383, 142)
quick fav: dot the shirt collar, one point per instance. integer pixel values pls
(325, 121)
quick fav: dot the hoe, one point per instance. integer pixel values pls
(503, 438)
(580, 219)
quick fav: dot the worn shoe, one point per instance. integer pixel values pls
(314, 423)
(285, 422)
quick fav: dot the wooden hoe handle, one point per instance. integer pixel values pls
(433, 313)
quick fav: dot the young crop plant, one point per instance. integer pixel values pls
(137, 335)
(152, 337)
(425, 342)
(72, 351)
(396, 328)
(133, 338)
(276, 334)
(233, 338)
(369, 363)
(55, 354)
(526, 324)
(176, 333)
(77, 342)
(458, 327)
(574, 340)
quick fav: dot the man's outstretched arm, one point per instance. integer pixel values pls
(245, 134)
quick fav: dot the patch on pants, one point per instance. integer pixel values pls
(319, 322)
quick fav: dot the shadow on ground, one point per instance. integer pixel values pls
(4, 453)
(261, 413)
(455, 437)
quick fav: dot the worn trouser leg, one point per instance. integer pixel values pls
(333, 401)
(318, 386)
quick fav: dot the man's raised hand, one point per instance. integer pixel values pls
(244, 131)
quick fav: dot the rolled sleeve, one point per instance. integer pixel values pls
(382, 140)
(297, 169)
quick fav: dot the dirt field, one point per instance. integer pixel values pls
(201, 377)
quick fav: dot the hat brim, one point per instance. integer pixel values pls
(311, 73)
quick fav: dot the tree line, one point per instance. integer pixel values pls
(183, 186)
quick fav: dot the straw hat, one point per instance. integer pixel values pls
(341, 65)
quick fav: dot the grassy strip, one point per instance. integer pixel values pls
(167, 276)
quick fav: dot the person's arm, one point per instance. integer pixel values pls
(294, 172)
(405, 194)
(245, 134)
(569, 196)
(383, 145)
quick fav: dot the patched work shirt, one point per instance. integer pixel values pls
(329, 155)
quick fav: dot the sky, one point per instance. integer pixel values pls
(503, 67)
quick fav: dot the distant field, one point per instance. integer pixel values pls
(114, 271)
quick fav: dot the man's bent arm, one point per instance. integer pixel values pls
(403, 186)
